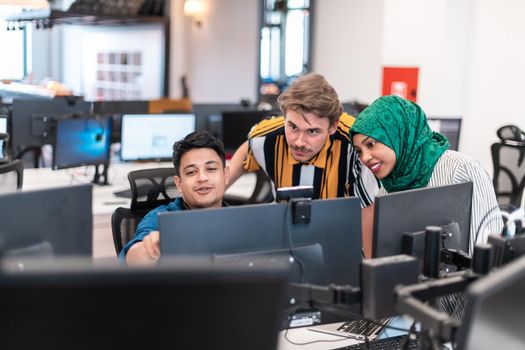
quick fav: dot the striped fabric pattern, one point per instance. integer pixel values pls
(334, 172)
(454, 167)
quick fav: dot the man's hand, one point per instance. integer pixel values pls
(146, 252)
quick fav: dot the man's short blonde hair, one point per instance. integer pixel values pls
(311, 93)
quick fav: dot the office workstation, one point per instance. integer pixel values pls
(82, 170)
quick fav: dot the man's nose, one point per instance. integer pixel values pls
(202, 175)
(300, 141)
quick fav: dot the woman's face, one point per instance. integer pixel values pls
(376, 156)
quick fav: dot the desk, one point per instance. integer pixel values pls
(104, 201)
(304, 336)
(323, 341)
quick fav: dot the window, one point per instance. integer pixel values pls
(284, 46)
(14, 41)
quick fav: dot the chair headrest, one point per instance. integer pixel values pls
(511, 133)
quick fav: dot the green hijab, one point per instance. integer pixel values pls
(402, 126)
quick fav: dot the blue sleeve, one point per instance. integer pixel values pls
(149, 223)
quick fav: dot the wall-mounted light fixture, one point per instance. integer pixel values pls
(195, 10)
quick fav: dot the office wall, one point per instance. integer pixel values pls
(219, 57)
(433, 36)
(469, 52)
(496, 72)
(347, 46)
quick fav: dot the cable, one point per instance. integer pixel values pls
(288, 234)
(343, 337)
(480, 226)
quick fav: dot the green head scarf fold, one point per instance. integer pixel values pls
(402, 126)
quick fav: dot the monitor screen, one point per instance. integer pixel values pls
(3, 142)
(236, 125)
(325, 250)
(57, 218)
(167, 307)
(81, 141)
(3, 124)
(151, 136)
(413, 210)
(33, 120)
(494, 311)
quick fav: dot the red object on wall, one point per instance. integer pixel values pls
(401, 81)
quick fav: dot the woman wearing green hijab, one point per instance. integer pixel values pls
(394, 140)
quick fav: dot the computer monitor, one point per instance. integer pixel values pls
(208, 115)
(493, 316)
(32, 120)
(151, 136)
(325, 250)
(236, 125)
(81, 141)
(167, 307)
(450, 127)
(3, 142)
(412, 211)
(115, 110)
(58, 217)
(3, 124)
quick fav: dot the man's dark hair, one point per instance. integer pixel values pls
(198, 139)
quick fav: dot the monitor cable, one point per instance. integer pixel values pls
(286, 230)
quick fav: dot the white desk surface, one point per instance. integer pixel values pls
(104, 201)
(305, 339)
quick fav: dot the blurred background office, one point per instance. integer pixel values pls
(468, 53)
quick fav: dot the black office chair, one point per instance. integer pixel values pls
(150, 188)
(262, 192)
(11, 176)
(508, 157)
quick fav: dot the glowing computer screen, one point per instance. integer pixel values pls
(81, 141)
(3, 130)
(151, 136)
(3, 124)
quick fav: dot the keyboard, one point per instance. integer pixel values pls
(392, 343)
(358, 329)
(362, 327)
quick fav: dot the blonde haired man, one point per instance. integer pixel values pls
(310, 145)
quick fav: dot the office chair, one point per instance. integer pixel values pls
(262, 192)
(508, 157)
(11, 176)
(150, 188)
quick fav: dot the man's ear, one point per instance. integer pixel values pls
(333, 128)
(177, 181)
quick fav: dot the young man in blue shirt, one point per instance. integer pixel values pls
(201, 178)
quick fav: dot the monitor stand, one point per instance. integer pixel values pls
(98, 175)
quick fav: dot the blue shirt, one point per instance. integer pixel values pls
(150, 223)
